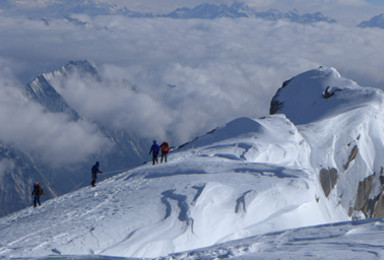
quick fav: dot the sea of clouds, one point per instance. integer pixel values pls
(163, 78)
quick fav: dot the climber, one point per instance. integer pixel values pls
(95, 170)
(164, 148)
(155, 152)
(37, 192)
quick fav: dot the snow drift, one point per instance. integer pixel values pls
(316, 160)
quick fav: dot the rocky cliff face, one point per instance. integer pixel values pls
(42, 92)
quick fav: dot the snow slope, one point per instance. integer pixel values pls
(241, 181)
(201, 197)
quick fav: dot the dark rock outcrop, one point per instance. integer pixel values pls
(328, 180)
(362, 195)
(276, 105)
(378, 211)
(352, 156)
(372, 205)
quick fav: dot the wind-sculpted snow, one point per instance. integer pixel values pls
(197, 199)
(346, 240)
(272, 139)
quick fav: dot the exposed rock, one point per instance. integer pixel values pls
(352, 156)
(328, 94)
(350, 211)
(362, 196)
(328, 180)
(378, 212)
(370, 207)
(381, 177)
(276, 105)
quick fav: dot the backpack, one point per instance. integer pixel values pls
(165, 147)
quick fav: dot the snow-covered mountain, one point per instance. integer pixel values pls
(123, 149)
(238, 10)
(316, 160)
(376, 21)
(60, 9)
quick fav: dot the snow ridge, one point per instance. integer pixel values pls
(273, 182)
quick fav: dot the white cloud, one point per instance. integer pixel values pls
(191, 75)
(51, 137)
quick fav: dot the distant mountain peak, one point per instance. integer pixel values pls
(41, 90)
(238, 10)
(81, 66)
(60, 9)
(376, 21)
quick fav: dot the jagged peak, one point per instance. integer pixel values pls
(41, 91)
(80, 66)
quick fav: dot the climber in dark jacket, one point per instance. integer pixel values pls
(155, 152)
(95, 170)
(37, 192)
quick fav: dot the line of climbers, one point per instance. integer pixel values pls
(155, 150)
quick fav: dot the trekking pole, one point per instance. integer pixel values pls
(81, 183)
(117, 171)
